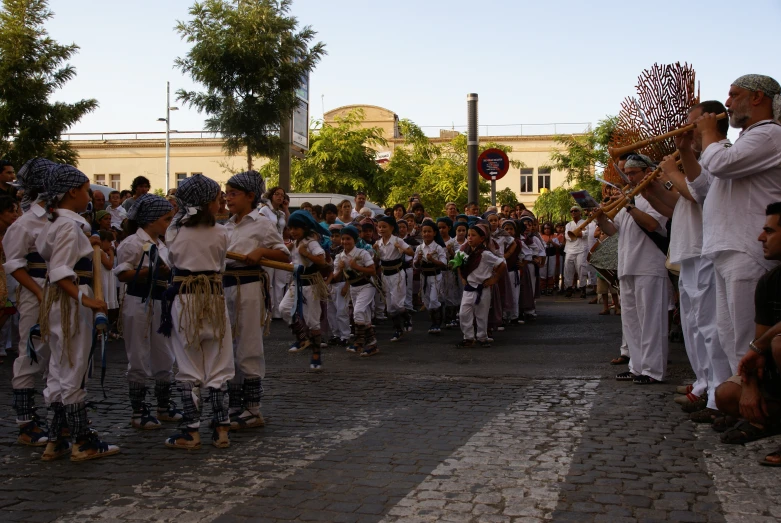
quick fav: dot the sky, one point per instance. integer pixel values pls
(530, 62)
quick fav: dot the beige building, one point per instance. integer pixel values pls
(114, 160)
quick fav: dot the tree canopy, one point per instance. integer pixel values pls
(251, 58)
(32, 67)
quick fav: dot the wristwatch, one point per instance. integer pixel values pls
(754, 347)
(630, 207)
(668, 185)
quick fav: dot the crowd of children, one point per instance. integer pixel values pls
(193, 296)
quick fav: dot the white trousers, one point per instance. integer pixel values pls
(430, 286)
(248, 357)
(149, 354)
(68, 368)
(395, 287)
(532, 283)
(339, 312)
(644, 323)
(515, 286)
(278, 284)
(737, 275)
(410, 286)
(311, 307)
(472, 313)
(208, 362)
(362, 298)
(573, 262)
(624, 349)
(25, 371)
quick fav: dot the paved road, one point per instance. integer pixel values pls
(533, 429)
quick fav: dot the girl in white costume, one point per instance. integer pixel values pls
(194, 310)
(430, 257)
(301, 306)
(23, 262)
(450, 284)
(391, 250)
(276, 210)
(67, 312)
(480, 272)
(338, 298)
(356, 267)
(142, 264)
(253, 235)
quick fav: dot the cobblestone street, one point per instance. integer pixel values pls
(533, 429)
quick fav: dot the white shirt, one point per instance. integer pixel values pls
(277, 217)
(252, 232)
(62, 243)
(19, 239)
(484, 269)
(423, 250)
(686, 231)
(747, 177)
(390, 250)
(589, 233)
(700, 186)
(118, 215)
(577, 245)
(344, 259)
(638, 255)
(131, 250)
(197, 249)
(314, 250)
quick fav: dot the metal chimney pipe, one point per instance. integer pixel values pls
(472, 142)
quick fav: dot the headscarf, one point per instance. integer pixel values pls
(249, 181)
(447, 221)
(335, 227)
(639, 161)
(437, 237)
(31, 175)
(350, 231)
(149, 208)
(486, 214)
(58, 180)
(766, 84)
(306, 221)
(193, 194)
(390, 220)
(462, 218)
(100, 214)
(511, 222)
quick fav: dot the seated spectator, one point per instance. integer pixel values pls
(754, 395)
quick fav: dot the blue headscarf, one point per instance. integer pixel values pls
(249, 181)
(148, 208)
(447, 221)
(306, 221)
(350, 231)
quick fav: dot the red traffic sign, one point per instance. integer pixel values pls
(493, 164)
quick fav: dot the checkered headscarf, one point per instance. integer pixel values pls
(30, 177)
(249, 181)
(58, 180)
(194, 193)
(760, 82)
(149, 208)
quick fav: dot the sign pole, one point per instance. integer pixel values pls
(493, 190)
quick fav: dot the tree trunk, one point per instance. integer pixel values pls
(249, 160)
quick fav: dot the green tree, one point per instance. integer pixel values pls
(581, 158)
(583, 155)
(32, 68)
(437, 172)
(251, 58)
(506, 197)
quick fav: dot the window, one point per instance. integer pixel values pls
(543, 178)
(180, 177)
(114, 181)
(527, 179)
(100, 179)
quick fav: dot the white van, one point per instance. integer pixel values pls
(297, 198)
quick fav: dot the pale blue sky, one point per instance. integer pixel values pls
(530, 62)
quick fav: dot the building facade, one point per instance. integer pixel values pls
(114, 160)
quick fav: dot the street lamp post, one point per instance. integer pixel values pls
(167, 121)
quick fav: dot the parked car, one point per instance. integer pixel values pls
(297, 198)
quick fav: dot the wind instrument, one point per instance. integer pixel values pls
(594, 215)
(639, 188)
(263, 263)
(615, 152)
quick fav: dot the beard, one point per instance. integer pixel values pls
(739, 114)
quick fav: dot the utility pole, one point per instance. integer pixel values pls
(167, 121)
(472, 143)
(286, 134)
